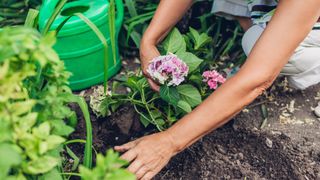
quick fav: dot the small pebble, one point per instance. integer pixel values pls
(238, 163)
(240, 156)
(277, 133)
(269, 143)
(317, 110)
(221, 150)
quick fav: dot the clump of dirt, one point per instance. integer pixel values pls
(231, 153)
(119, 128)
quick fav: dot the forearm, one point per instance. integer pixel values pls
(272, 51)
(168, 13)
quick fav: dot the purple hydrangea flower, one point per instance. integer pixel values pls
(168, 70)
(212, 78)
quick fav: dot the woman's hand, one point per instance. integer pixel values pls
(149, 154)
(148, 51)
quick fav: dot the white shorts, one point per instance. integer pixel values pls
(303, 68)
(231, 8)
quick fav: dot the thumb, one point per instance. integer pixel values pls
(153, 85)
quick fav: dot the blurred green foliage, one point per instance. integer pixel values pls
(14, 12)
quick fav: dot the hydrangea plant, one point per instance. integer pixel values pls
(168, 70)
(184, 74)
(213, 78)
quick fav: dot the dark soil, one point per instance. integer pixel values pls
(230, 153)
(238, 150)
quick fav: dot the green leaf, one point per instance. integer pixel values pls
(103, 40)
(53, 141)
(54, 174)
(189, 94)
(160, 122)
(23, 107)
(28, 121)
(42, 165)
(107, 167)
(199, 40)
(120, 174)
(43, 131)
(56, 12)
(31, 18)
(174, 42)
(190, 59)
(145, 122)
(76, 160)
(184, 106)
(8, 157)
(169, 94)
(60, 128)
(131, 8)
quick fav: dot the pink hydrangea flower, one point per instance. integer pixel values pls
(168, 70)
(213, 78)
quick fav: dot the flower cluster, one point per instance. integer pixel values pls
(212, 78)
(168, 70)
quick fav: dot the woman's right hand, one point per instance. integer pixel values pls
(148, 51)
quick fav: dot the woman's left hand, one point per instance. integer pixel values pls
(148, 155)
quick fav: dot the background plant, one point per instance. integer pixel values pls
(107, 167)
(14, 12)
(33, 107)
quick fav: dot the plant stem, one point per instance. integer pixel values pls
(53, 16)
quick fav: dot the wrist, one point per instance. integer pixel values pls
(147, 41)
(174, 144)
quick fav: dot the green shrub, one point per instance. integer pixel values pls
(33, 108)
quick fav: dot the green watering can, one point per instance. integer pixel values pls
(78, 46)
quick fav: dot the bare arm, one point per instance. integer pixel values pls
(291, 23)
(168, 13)
(284, 33)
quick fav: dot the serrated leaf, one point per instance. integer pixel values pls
(174, 42)
(190, 59)
(184, 106)
(169, 94)
(60, 128)
(189, 94)
(200, 40)
(42, 165)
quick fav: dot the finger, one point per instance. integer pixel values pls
(149, 175)
(135, 166)
(125, 147)
(153, 85)
(129, 155)
(146, 74)
(141, 172)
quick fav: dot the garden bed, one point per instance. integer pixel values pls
(287, 147)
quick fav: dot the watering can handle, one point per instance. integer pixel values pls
(51, 4)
